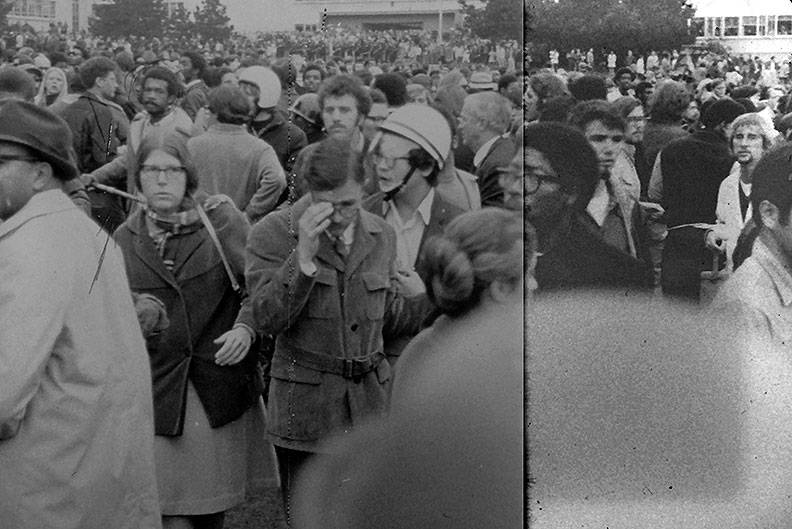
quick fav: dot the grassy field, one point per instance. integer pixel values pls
(262, 510)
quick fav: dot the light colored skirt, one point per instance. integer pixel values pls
(207, 470)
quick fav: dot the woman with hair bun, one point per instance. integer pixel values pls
(452, 446)
(477, 274)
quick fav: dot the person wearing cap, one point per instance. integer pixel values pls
(322, 276)
(689, 172)
(481, 82)
(623, 78)
(76, 417)
(748, 141)
(407, 157)
(263, 88)
(161, 117)
(483, 122)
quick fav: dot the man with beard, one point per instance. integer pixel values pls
(554, 179)
(159, 119)
(749, 142)
(344, 104)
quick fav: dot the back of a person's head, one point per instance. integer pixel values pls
(668, 102)
(394, 86)
(94, 68)
(721, 111)
(197, 60)
(588, 87)
(556, 108)
(332, 164)
(16, 84)
(547, 85)
(452, 97)
(229, 104)
(492, 109)
(477, 249)
(570, 155)
(746, 103)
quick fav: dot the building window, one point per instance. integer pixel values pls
(749, 26)
(762, 28)
(771, 25)
(698, 26)
(731, 26)
(34, 8)
(784, 25)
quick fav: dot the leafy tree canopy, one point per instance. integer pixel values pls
(495, 19)
(180, 23)
(211, 21)
(5, 8)
(617, 25)
(145, 18)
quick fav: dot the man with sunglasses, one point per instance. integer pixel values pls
(321, 275)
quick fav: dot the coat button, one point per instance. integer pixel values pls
(354, 327)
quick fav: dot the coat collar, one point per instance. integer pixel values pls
(768, 254)
(144, 248)
(39, 205)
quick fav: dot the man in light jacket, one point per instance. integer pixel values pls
(76, 418)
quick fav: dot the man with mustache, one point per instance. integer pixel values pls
(159, 118)
(344, 103)
(749, 142)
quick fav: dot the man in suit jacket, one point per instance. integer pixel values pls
(749, 142)
(407, 158)
(484, 120)
(321, 274)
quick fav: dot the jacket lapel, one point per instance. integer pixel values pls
(144, 249)
(440, 216)
(364, 241)
(328, 254)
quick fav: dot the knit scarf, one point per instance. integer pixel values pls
(183, 222)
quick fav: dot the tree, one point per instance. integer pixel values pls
(495, 19)
(180, 23)
(617, 25)
(211, 21)
(143, 18)
(5, 8)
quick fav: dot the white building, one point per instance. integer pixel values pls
(756, 27)
(39, 14)
(250, 16)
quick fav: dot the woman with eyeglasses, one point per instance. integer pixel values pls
(187, 249)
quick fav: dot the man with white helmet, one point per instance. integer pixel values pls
(407, 157)
(263, 88)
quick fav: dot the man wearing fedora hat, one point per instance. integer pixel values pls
(76, 418)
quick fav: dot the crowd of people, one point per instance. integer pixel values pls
(259, 243)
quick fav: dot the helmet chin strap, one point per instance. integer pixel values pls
(393, 192)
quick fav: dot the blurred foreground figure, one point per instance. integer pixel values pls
(76, 418)
(647, 413)
(450, 455)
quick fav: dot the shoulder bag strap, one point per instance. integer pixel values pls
(213, 235)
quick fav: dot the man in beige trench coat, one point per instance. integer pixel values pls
(76, 418)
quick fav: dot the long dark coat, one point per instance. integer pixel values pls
(201, 306)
